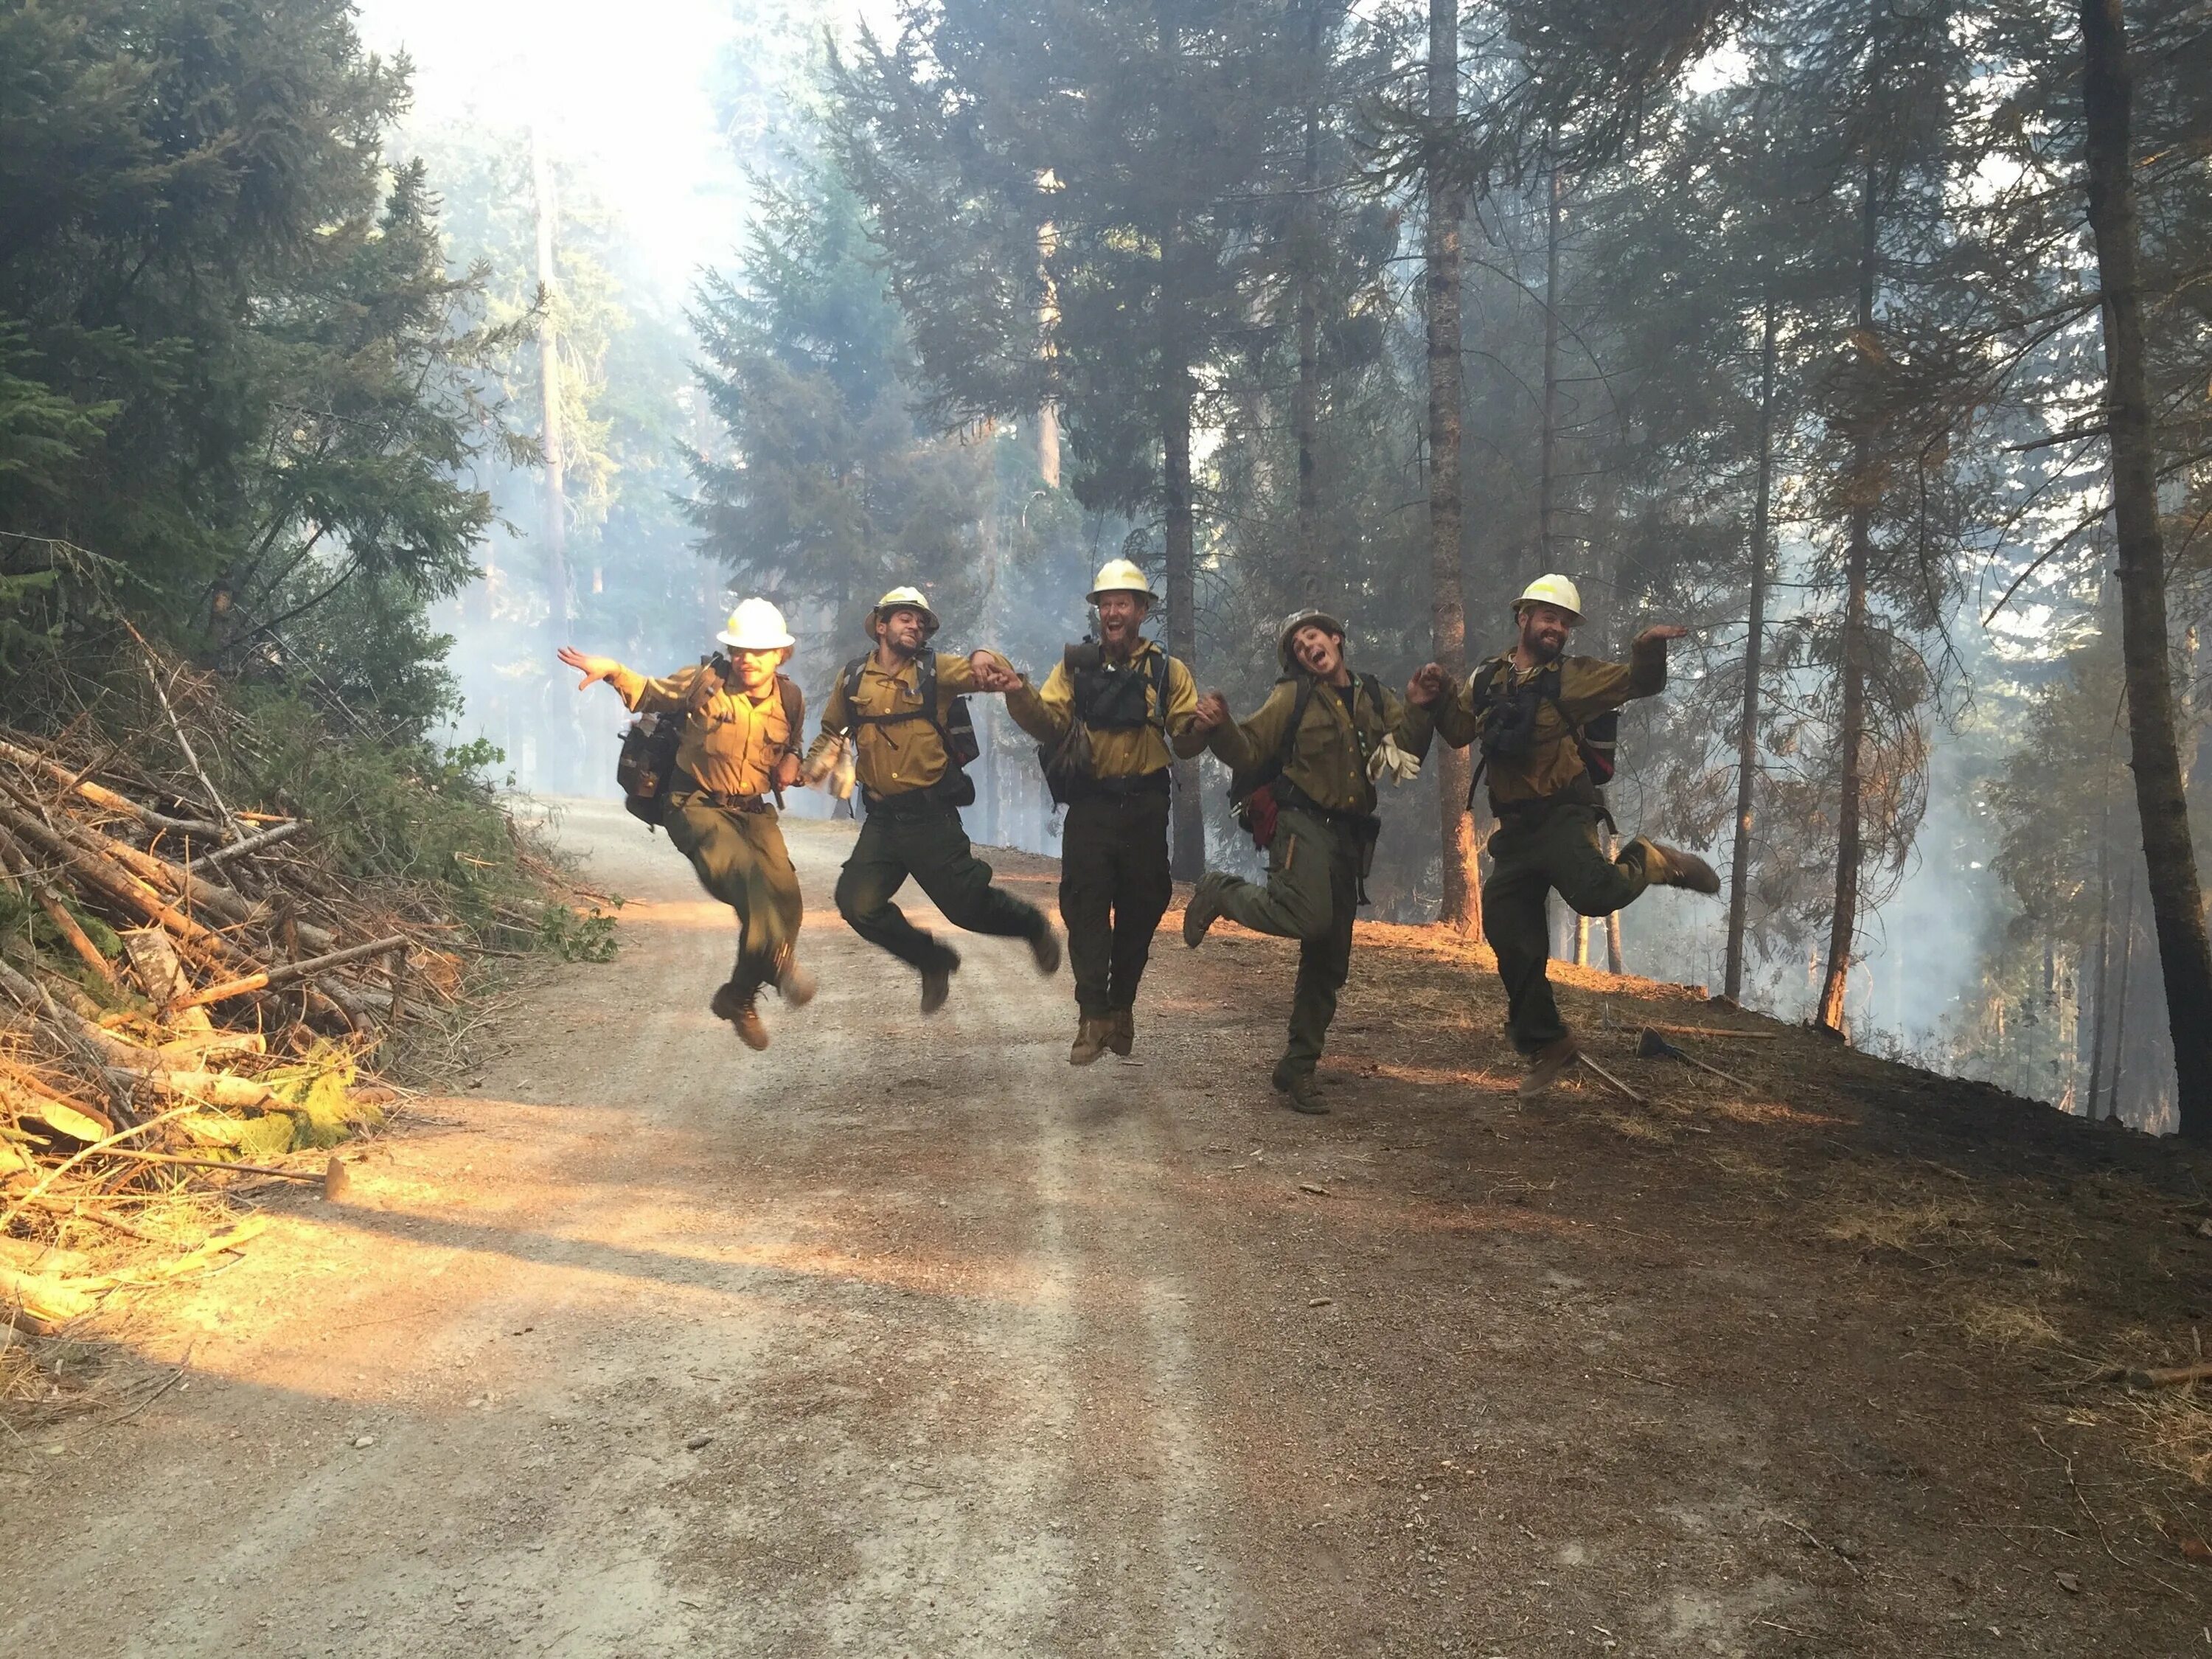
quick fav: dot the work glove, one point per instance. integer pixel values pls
(1392, 761)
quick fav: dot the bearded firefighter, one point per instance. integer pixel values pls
(1113, 717)
(738, 749)
(1540, 718)
(900, 709)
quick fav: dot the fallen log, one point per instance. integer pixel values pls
(287, 973)
(99, 795)
(283, 831)
(125, 888)
(210, 1088)
(18, 863)
(2156, 1377)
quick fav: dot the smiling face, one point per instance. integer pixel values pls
(755, 670)
(1119, 617)
(1319, 652)
(903, 628)
(1544, 630)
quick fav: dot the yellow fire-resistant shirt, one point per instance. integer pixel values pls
(1131, 753)
(1329, 761)
(1588, 687)
(732, 745)
(896, 759)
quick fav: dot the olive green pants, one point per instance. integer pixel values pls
(1532, 856)
(1312, 896)
(929, 844)
(740, 858)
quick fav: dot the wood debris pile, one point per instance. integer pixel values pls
(186, 990)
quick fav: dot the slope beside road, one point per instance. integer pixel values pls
(906, 1337)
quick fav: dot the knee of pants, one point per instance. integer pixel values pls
(853, 902)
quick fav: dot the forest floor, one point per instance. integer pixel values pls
(905, 1337)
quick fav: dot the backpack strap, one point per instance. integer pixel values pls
(794, 712)
(1300, 704)
(1160, 670)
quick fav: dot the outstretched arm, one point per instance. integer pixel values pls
(594, 669)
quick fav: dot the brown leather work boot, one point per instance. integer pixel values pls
(1546, 1064)
(1304, 1093)
(1091, 1037)
(1685, 869)
(1122, 1035)
(745, 1019)
(1204, 908)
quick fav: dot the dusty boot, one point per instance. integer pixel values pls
(937, 985)
(1044, 950)
(796, 984)
(1685, 869)
(1546, 1064)
(1304, 1094)
(736, 1007)
(1091, 1039)
(1121, 1035)
(1205, 907)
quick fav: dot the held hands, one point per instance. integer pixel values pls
(595, 669)
(1212, 712)
(993, 673)
(787, 771)
(1429, 682)
(1661, 632)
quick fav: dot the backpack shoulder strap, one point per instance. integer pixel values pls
(794, 710)
(1300, 704)
(1162, 667)
(852, 673)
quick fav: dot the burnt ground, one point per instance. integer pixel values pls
(906, 1337)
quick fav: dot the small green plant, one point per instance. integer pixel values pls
(579, 935)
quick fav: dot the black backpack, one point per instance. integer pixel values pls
(956, 731)
(648, 759)
(1245, 786)
(1506, 723)
(1106, 699)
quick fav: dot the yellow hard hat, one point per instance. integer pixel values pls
(1552, 590)
(757, 625)
(903, 599)
(1120, 576)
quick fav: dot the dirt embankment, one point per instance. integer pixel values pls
(907, 1337)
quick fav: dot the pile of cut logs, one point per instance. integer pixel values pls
(171, 971)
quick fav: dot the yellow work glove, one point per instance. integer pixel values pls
(1394, 763)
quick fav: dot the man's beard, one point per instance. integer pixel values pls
(1120, 641)
(1543, 650)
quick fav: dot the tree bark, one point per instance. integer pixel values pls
(2104, 950)
(2177, 900)
(1305, 397)
(1843, 930)
(2120, 1001)
(1187, 853)
(1754, 643)
(1547, 472)
(1461, 906)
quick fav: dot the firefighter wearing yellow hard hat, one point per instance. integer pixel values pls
(1545, 723)
(1304, 769)
(741, 721)
(901, 714)
(1111, 720)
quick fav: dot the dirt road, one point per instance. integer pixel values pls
(904, 1337)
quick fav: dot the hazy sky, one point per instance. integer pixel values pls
(623, 89)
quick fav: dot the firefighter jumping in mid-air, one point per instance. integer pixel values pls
(900, 709)
(1305, 768)
(738, 748)
(1114, 716)
(1532, 711)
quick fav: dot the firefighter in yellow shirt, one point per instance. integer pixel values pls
(738, 749)
(1531, 710)
(897, 708)
(1113, 715)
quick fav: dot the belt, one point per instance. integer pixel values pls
(1580, 792)
(1127, 788)
(1290, 796)
(684, 784)
(908, 803)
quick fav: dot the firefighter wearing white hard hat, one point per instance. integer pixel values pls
(1546, 723)
(1111, 720)
(736, 723)
(1303, 771)
(900, 716)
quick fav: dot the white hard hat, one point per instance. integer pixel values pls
(757, 625)
(903, 599)
(1120, 576)
(1552, 590)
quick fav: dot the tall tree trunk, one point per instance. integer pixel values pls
(2104, 949)
(1547, 470)
(2176, 899)
(1843, 930)
(1754, 645)
(1047, 412)
(1447, 207)
(1187, 851)
(2120, 1001)
(1306, 398)
(549, 395)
